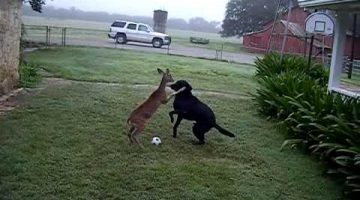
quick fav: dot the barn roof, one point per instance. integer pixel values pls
(298, 31)
(295, 29)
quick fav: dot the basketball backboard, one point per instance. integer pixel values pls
(319, 23)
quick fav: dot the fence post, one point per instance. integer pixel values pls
(221, 53)
(64, 36)
(48, 33)
(47, 36)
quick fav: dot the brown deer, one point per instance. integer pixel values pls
(143, 112)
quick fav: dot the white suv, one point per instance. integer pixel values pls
(123, 31)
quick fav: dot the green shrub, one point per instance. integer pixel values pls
(272, 64)
(28, 75)
(326, 125)
(273, 90)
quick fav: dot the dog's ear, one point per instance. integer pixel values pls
(167, 71)
(188, 87)
(160, 71)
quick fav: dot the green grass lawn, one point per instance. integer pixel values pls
(69, 141)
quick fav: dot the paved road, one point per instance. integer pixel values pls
(174, 49)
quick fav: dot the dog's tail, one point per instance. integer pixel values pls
(223, 131)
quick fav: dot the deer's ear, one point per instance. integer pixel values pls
(167, 71)
(160, 71)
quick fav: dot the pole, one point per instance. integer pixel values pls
(311, 47)
(273, 26)
(305, 48)
(323, 50)
(352, 47)
(286, 30)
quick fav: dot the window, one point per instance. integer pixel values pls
(143, 28)
(118, 24)
(131, 26)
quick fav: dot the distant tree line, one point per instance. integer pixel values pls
(195, 24)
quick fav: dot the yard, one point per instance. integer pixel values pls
(68, 140)
(97, 31)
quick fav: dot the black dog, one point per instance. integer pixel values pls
(187, 106)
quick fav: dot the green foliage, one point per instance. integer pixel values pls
(28, 75)
(36, 5)
(272, 65)
(328, 125)
(244, 16)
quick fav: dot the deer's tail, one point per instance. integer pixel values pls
(224, 131)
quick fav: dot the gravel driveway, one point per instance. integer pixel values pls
(174, 49)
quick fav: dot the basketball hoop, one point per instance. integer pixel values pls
(322, 24)
(319, 23)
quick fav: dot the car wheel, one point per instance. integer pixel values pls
(120, 38)
(157, 43)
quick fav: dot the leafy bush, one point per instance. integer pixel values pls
(271, 65)
(326, 125)
(28, 75)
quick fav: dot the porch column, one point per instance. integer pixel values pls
(337, 58)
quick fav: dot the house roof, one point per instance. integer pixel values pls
(353, 5)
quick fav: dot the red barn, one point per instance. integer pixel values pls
(297, 42)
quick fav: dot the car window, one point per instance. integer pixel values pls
(131, 26)
(118, 24)
(143, 28)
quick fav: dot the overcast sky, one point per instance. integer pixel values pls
(208, 9)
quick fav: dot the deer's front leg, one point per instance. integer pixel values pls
(172, 95)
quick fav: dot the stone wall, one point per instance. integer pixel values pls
(10, 33)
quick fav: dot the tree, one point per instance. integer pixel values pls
(36, 5)
(243, 16)
(10, 33)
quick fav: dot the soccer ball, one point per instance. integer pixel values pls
(156, 141)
